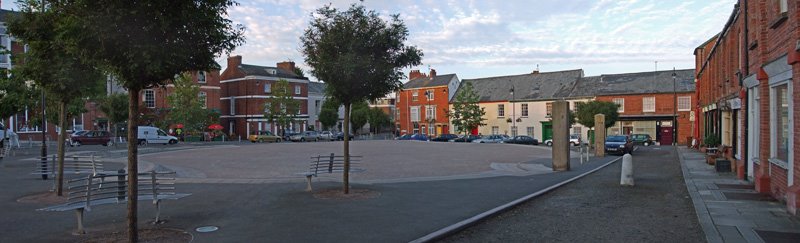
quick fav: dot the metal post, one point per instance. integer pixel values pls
(674, 110)
(121, 185)
(44, 142)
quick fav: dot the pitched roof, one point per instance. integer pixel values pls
(267, 71)
(635, 83)
(438, 80)
(316, 87)
(534, 86)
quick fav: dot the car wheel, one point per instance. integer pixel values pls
(173, 141)
(77, 143)
(260, 140)
(142, 142)
(302, 139)
(646, 144)
(109, 143)
(549, 143)
(316, 140)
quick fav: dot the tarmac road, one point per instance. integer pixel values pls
(596, 209)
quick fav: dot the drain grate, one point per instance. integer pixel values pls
(747, 196)
(736, 186)
(778, 237)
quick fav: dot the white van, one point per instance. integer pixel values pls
(155, 135)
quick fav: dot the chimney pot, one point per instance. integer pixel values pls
(415, 74)
(235, 61)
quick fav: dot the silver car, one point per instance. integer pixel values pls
(305, 136)
(491, 139)
(327, 135)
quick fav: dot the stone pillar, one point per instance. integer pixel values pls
(599, 135)
(560, 136)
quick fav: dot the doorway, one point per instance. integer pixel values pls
(665, 133)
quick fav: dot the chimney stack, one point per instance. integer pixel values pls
(433, 73)
(415, 74)
(234, 61)
(286, 66)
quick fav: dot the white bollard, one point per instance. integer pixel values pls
(626, 178)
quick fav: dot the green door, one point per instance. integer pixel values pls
(591, 137)
(547, 130)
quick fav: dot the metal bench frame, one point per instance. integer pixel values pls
(100, 189)
(330, 164)
(75, 165)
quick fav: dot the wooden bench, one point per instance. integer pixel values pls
(330, 164)
(100, 189)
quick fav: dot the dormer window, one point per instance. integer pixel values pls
(272, 71)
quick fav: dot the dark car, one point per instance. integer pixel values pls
(619, 144)
(415, 136)
(340, 136)
(468, 139)
(642, 139)
(444, 138)
(91, 137)
(522, 140)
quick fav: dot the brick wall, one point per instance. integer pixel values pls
(665, 105)
(405, 101)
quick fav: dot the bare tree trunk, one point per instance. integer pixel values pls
(62, 136)
(133, 164)
(346, 175)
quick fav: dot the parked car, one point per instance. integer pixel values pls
(419, 137)
(264, 136)
(75, 134)
(522, 140)
(92, 137)
(305, 136)
(340, 136)
(149, 134)
(619, 144)
(642, 139)
(496, 138)
(468, 138)
(444, 137)
(574, 140)
(287, 135)
(327, 135)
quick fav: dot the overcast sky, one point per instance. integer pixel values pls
(494, 38)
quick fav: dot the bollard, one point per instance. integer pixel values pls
(121, 185)
(626, 177)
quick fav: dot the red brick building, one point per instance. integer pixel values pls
(647, 103)
(155, 103)
(245, 89)
(747, 85)
(423, 103)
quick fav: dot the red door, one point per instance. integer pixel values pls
(475, 131)
(666, 136)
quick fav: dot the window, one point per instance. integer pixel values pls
(267, 88)
(297, 89)
(621, 103)
(149, 98)
(501, 110)
(431, 130)
(203, 97)
(430, 112)
(524, 110)
(429, 93)
(495, 130)
(233, 106)
(415, 113)
(416, 127)
(576, 130)
(685, 103)
(549, 109)
(649, 104)
(316, 107)
(201, 77)
(530, 131)
(780, 128)
(514, 131)
(783, 6)
(414, 95)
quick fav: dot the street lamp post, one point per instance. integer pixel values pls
(513, 113)
(674, 109)
(44, 140)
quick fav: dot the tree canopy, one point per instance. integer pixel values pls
(187, 106)
(360, 111)
(329, 114)
(466, 113)
(281, 109)
(587, 110)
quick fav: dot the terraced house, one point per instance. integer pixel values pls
(423, 102)
(747, 79)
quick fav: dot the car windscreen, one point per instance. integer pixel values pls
(616, 139)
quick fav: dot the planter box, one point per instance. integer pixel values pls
(192, 139)
(218, 138)
(711, 159)
(723, 165)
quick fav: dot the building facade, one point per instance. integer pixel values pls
(748, 76)
(423, 103)
(647, 103)
(245, 90)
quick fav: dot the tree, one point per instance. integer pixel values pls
(377, 119)
(329, 114)
(299, 72)
(185, 105)
(359, 55)
(360, 114)
(15, 95)
(65, 78)
(281, 109)
(144, 44)
(115, 106)
(466, 114)
(587, 110)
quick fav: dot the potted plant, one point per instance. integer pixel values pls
(711, 142)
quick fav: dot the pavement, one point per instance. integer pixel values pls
(730, 210)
